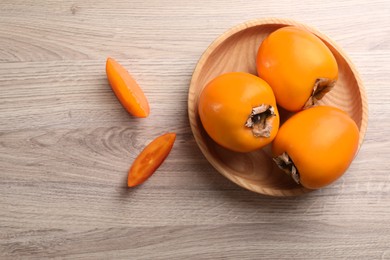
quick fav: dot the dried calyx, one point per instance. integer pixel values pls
(321, 87)
(285, 163)
(260, 120)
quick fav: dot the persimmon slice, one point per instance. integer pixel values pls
(150, 159)
(127, 89)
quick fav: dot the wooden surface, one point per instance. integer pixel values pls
(66, 144)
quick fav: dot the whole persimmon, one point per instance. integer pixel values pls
(316, 146)
(298, 65)
(238, 111)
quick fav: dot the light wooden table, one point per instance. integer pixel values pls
(66, 143)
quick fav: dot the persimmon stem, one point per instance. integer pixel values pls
(321, 87)
(285, 163)
(260, 120)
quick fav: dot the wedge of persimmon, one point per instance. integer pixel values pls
(150, 159)
(127, 89)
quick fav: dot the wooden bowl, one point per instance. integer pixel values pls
(236, 50)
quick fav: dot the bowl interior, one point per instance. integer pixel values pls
(236, 50)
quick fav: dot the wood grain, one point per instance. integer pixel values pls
(66, 143)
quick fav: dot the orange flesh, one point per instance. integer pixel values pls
(126, 89)
(150, 159)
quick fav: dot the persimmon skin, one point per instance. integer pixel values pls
(225, 105)
(321, 142)
(291, 59)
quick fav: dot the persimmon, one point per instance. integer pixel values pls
(127, 89)
(238, 111)
(316, 146)
(150, 159)
(298, 65)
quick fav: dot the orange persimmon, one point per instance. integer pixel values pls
(150, 159)
(126, 89)
(298, 66)
(238, 111)
(316, 146)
